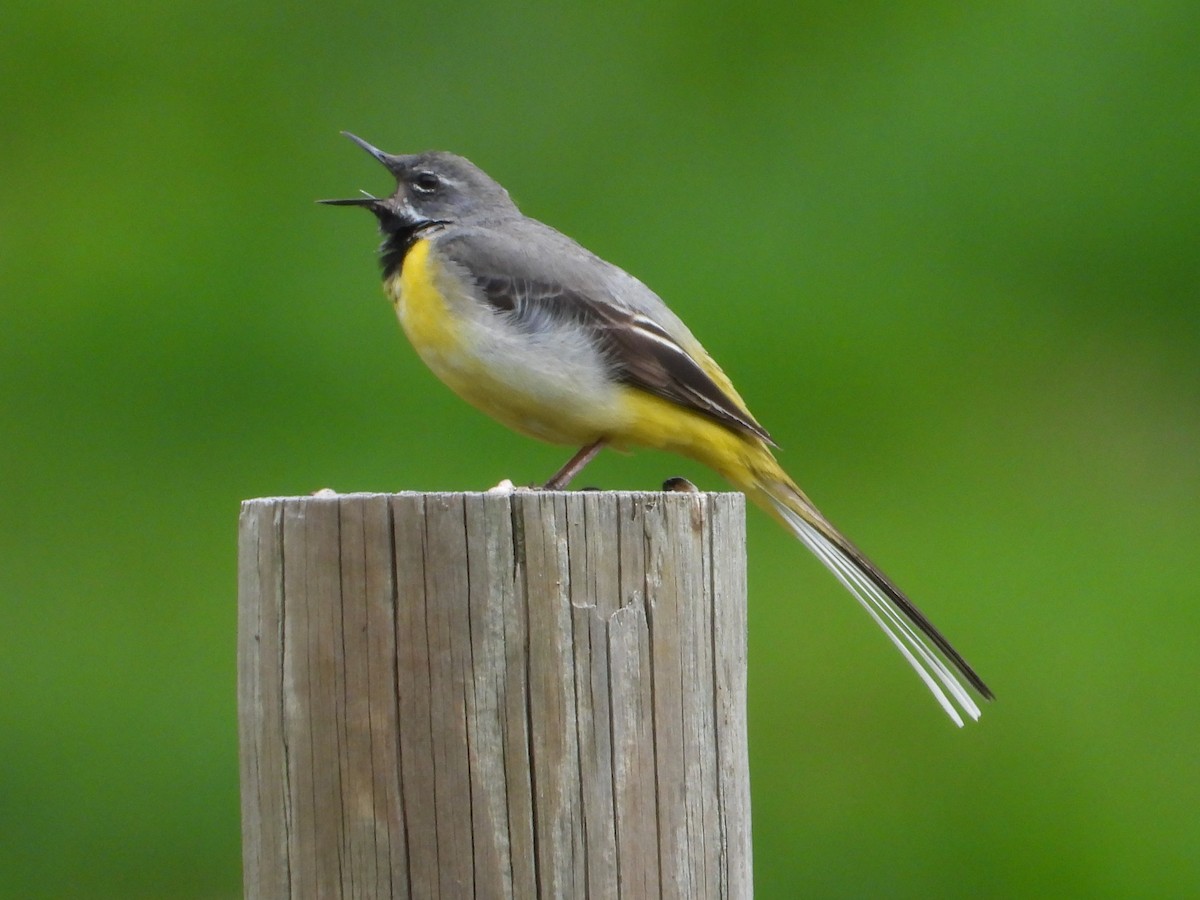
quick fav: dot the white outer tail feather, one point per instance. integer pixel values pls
(923, 658)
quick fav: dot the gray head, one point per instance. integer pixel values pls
(432, 188)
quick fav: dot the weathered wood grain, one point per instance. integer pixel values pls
(538, 694)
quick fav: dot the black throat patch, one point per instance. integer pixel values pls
(399, 240)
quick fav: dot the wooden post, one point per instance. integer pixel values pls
(535, 694)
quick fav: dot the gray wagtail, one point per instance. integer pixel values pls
(556, 343)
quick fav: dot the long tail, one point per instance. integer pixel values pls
(927, 651)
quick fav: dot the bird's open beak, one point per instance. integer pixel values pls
(368, 201)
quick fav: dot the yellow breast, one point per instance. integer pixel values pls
(424, 312)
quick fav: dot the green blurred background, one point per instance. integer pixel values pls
(949, 255)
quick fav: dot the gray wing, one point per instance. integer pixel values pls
(542, 290)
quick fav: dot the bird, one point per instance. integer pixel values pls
(560, 345)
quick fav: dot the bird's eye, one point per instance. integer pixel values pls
(426, 183)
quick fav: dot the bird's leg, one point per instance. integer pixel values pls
(574, 466)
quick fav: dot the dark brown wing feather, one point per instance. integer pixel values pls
(641, 352)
